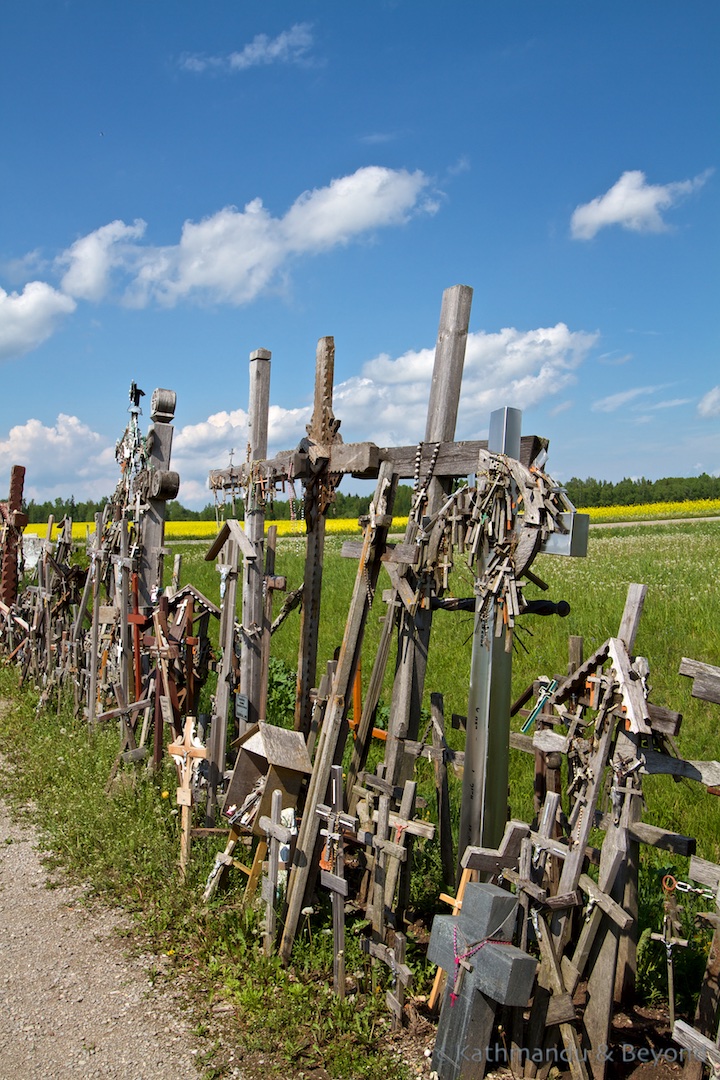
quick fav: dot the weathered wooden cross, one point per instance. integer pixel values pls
(332, 869)
(277, 834)
(320, 461)
(485, 970)
(187, 755)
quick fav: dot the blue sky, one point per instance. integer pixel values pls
(183, 183)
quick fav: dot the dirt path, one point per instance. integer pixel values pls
(71, 1003)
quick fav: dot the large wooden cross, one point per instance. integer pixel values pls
(319, 461)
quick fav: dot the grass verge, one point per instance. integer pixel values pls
(267, 1020)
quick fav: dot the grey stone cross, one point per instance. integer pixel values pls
(484, 970)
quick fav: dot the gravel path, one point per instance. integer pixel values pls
(71, 1003)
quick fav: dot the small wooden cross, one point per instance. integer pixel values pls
(187, 755)
(332, 870)
(277, 834)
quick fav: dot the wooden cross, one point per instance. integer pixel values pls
(332, 870)
(187, 755)
(485, 970)
(669, 937)
(277, 834)
(319, 461)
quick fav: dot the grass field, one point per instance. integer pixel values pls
(128, 843)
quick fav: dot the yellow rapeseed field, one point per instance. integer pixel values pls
(202, 530)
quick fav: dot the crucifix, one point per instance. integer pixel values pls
(332, 869)
(187, 755)
(484, 970)
(672, 928)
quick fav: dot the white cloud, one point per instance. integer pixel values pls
(377, 138)
(30, 317)
(388, 402)
(672, 403)
(234, 255)
(61, 460)
(229, 257)
(290, 47)
(91, 258)
(709, 405)
(633, 204)
(623, 397)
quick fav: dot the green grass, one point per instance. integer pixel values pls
(127, 843)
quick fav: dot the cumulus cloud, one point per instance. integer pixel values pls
(234, 255)
(633, 204)
(91, 259)
(28, 318)
(387, 402)
(65, 458)
(709, 404)
(230, 257)
(290, 47)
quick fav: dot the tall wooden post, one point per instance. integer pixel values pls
(321, 430)
(252, 590)
(16, 522)
(163, 485)
(483, 812)
(96, 574)
(414, 631)
(218, 731)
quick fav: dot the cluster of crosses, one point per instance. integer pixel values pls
(532, 923)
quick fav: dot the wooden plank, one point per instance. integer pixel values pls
(634, 701)
(661, 838)
(550, 741)
(705, 873)
(631, 615)
(692, 668)
(663, 720)
(303, 871)
(447, 854)
(605, 902)
(255, 628)
(704, 772)
(699, 1045)
(414, 630)
(707, 687)
(454, 458)
(570, 1037)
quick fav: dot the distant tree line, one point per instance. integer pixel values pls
(628, 492)
(582, 493)
(61, 508)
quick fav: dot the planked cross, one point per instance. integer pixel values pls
(486, 970)
(277, 834)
